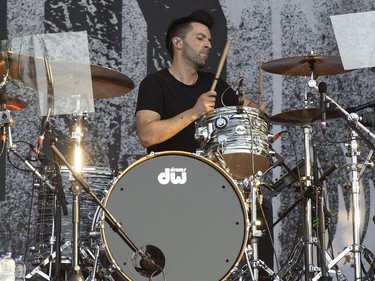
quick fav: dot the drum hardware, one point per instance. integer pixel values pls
(60, 204)
(75, 273)
(11, 147)
(48, 260)
(305, 119)
(291, 177)
(326, 263)
(288, 180)
(99, 178)
(251, 190)
(309, 191)
(358, 129)
(109, 218)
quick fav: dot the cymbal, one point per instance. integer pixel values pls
(14, 103)
(302, 116)
(306, 65)
(106, 82)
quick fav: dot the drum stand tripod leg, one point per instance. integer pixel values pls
(38, 269)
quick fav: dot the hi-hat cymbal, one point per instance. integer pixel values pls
(106, 82)
(302, 116)
(14, 103)
(306, 65)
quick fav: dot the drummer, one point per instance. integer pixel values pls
(170, 100)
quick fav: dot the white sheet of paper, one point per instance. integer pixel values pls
(355, 38)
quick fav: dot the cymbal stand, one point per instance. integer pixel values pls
(75, 273)
(356, 248)
(308, 236)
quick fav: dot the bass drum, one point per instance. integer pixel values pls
(183, 211)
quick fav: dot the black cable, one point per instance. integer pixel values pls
(15, 167)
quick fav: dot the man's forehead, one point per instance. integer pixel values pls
(198, 28)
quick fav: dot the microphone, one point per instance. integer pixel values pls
(323, 90)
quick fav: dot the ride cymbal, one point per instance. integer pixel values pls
(108, 83)
(306, 65)
(302, 116)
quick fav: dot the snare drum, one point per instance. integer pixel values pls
(236, 140)
(182, 210)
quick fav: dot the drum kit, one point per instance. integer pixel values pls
(193, 215)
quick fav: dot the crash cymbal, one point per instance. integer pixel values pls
(14, 103)
(106, 82)
(302, 116)
(306, 65)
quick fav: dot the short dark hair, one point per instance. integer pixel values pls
(179, 27)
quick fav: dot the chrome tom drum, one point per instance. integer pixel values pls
(238, 140)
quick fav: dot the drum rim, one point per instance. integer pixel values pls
(230, 108)
(227, 176)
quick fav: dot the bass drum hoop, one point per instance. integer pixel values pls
(189, 254)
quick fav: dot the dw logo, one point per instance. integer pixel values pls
(173, 175)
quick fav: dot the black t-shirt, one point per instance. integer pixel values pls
(163, 93)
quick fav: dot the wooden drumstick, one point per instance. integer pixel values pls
(260, 83)
(221, 64)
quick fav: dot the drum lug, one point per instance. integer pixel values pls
(221, 122)
(240, 130)
(201, 134)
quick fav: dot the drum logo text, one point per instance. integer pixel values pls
(173, 175)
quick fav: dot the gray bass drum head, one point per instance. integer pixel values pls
(182, 211)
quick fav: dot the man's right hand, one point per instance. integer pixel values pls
(205, 103)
